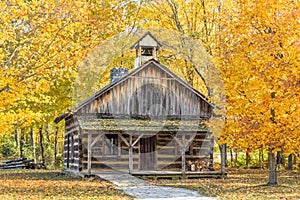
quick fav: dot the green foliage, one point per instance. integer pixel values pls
(8, 148)
(49, 155)
(28, 151)
(59, 161)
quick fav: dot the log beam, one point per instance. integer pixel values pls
(130, 145)
(89, 149)
(124, 140)
(130, 155)
(96, 139)
(136, 141)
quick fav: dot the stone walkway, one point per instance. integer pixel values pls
(141, 189)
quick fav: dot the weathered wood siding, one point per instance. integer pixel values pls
(201, 149)
(72, 145)
(151, 91)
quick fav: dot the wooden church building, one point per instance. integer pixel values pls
(148, 119)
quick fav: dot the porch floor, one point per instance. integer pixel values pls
(162, 174)
(178, 174)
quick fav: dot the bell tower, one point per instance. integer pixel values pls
(146, 48)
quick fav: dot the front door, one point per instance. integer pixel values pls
(148, 155)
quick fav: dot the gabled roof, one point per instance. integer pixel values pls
(113, 84)
(143, 37)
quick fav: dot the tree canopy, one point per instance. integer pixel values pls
(254, 45)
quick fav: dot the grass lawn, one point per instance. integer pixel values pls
(240, 184)
(243, 184)
(42, 184)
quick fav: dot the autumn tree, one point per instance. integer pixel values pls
(259, 62)
(42, 44)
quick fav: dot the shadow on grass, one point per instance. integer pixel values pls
(29, 184)
(247, 185)
(35, 175)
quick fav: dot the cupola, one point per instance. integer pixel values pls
(146, 49)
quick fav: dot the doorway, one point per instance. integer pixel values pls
(147, 153)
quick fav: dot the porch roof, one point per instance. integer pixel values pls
(155, 125)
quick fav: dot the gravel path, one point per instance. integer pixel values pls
(141, 189)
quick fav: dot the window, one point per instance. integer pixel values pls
(147, 52)
(110, 144)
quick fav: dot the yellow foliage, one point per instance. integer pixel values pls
(254, 45)
(260, 70)
(42, 44)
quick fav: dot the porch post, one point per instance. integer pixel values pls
(130, 145)
(183, 146)
(89, 165)
(130, 155)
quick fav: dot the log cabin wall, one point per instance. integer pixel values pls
(72, 144)
(201, 149)
(108, 152)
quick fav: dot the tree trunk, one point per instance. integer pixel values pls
(261, 158)
(226, 159)
(55, 143)
(47, 133)
(271, 155)
(247, 158)
(290, 162)
(32, 141)
(21, 143)
(278, 158)
(272, 168)
(223, 158)
(42, 146)
(236, 158)
(231, 156)
(17, 139)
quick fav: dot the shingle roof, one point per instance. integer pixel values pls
(148, 33)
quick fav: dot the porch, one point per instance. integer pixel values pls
(178, 175)
(163, 174)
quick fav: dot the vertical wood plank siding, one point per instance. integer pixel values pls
(149, 92)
